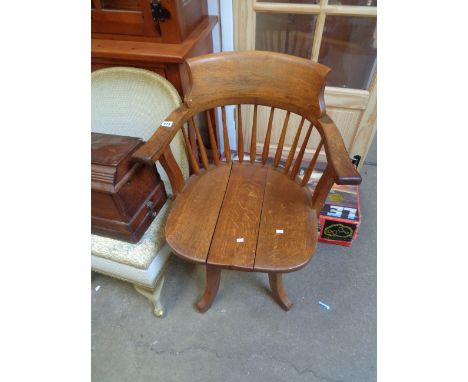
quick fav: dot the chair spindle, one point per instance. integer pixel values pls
(201, 146)
(192, 136)
(227, 147)
(214, 146)
(322, 189)
(266, 144)
(240, 138)
(253, 141)
(279, 149)
(292, 151)
(297, 163)
(309, 170)
(193, 161)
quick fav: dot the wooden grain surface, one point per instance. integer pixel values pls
(188, 146)
(153, 51)
(158, 143)
(248, 202)
(337, 156)
(192, 220)
(253, 140)
(240, 138)
(239, 218)
(292, 150)
(300, 155)
(227, 147)
(213, 143)
(173, 172)
(266, 144)
(286, 208)
(278, 292)
(310, 168)
(267, 78)
(279, 149)
(201, 146)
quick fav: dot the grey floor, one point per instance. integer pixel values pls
(246, 336)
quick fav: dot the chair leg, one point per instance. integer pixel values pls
(213, 277)
(154, 295)
(277, 289)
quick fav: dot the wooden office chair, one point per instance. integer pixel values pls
(249, 215)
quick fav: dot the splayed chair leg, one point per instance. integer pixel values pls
(213, 277)
(277, 289)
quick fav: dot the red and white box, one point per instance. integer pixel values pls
(341, 214)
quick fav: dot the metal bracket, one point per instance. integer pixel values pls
(158, 12)
(150, 206)
(355, 160)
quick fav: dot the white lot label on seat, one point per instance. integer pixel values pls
(240, 239)
(279, 231)
(167, 123)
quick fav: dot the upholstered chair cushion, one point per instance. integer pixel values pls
(139, 255)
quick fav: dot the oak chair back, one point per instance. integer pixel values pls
(275, 80)
(252, 77)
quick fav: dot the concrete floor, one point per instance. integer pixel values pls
(246, 336)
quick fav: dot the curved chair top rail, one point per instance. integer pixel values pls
(257, 77)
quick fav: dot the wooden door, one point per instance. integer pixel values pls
(341, 34)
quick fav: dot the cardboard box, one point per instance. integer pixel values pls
(341, 214)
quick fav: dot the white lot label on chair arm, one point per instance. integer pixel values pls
(279, 231)
(167, 123)
(240, 239)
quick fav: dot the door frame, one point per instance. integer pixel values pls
(244, 12)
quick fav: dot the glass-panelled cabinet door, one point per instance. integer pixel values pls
(341, 34)
(166, 21)
(123, 17)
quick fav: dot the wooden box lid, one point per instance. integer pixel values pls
(110, 150)
(111, 157)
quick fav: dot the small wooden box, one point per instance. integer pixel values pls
(125, 196)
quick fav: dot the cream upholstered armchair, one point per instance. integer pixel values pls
(133, 102)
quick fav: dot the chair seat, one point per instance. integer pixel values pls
(243, 216)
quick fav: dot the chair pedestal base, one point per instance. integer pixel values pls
(213, 279)
(278, 292)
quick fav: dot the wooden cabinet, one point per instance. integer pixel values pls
(154, 35)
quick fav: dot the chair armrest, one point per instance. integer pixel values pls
(158, 143)
(337, 155)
